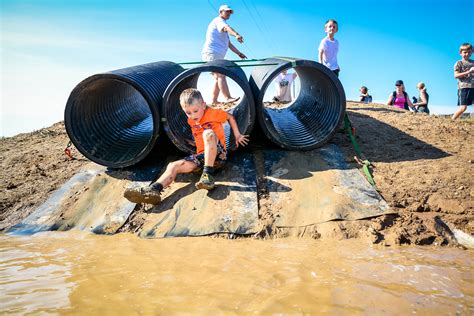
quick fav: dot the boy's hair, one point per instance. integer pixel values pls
(364, 88)
(465, 46)
(421, 84)
(331, 20)
(189, 97)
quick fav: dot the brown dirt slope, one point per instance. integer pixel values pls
(423, 167)
(32, 166)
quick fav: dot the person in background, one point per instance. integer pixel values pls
(464, 73)
(364, 95)
(215, 47)
(399, 98)
(421, 103)
(329, 47)
(283, 84)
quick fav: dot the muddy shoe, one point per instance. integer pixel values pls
(142, 195)
(206, 182)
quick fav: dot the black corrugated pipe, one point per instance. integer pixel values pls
(175, 120)
(312, 119)
(113, 118)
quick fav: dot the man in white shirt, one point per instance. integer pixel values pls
(215, 47)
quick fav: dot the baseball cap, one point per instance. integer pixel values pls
(398, 82)
(225, 7)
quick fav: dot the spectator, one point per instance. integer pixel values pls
(421, 103)
(464, 73)
(329, 47)
(399, 98)
(283, 84)
(364, 95)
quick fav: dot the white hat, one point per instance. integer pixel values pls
(225, 7)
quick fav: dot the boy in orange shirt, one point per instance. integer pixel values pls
(208, 132)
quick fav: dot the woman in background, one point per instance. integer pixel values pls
(421, 104)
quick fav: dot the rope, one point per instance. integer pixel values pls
(235, 61)
(291, 60)
(364, 163)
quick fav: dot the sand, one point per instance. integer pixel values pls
(423, 166)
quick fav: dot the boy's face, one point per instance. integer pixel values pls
(195, 111)
(330, 28)
(466, 54)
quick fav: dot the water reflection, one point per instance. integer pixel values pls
(33, 278)
(73, 272)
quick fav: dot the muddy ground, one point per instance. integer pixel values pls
(422, 165)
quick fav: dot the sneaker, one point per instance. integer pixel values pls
(206, 182)
(142, 195)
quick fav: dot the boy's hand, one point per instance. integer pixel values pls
(241, 140)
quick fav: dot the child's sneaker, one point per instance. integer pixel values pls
(206, 182)
(142, 195)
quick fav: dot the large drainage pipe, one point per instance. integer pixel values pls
(313, 117)
(175, 120)
(113, 118)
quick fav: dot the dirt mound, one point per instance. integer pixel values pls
(423, 167)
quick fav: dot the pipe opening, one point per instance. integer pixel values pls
(113, 118)
(116, 121)
(313, 117)
(283, 90)
(175, 120)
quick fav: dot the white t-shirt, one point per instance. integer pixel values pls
(217, 41)
(330, 49)
(283, 87)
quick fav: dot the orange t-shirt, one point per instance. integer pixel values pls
(212, 119)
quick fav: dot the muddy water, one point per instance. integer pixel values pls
(77, 273)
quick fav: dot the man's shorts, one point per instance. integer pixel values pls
(466, 96)
(198, 159)
(211, 57)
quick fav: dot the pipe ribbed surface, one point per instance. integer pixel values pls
(175, 120)
(113, 118)
(312, 119)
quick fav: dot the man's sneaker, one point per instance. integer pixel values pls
(206, 182)
(142, 195)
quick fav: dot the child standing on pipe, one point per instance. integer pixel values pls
(329, 47)
(208, 132)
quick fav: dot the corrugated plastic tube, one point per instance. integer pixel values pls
(113, 118)
(175, 120)
(313, 117)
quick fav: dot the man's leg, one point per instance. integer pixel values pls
(151, 194)
(224, 88)
(210, 153)
(215, 89)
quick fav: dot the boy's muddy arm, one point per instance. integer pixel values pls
(239, 138)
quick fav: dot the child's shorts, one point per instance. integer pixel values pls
(466, 96)
(221, 158)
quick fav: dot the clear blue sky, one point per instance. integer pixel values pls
(48, 46)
